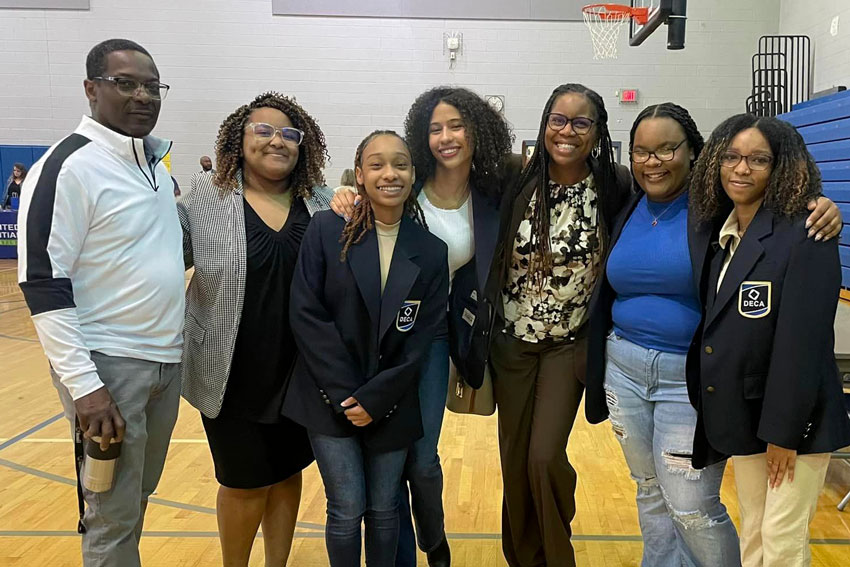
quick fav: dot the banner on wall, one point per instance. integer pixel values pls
(8, 234)
(539, 10)
(46, 4)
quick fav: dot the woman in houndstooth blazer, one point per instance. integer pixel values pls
(242, 231)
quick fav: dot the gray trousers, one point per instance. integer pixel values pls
(148, 395)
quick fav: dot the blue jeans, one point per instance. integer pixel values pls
(682, 520)
(422, 469)
(360, 483)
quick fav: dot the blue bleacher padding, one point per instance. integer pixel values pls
(830, 151)
(828, 132)
(845, 214)
(835, 170)
(838, 192)
(817, 114)
(844, 254)
(845, 277)
(821, 100)
(845, 234)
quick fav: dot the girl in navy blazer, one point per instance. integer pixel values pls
(368, 297)
(461, 149)
(768, 391)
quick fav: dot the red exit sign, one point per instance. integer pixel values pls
(628, 95)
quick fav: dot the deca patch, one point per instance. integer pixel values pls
(754, 299)
(407, 315)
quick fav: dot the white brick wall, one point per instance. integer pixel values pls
(831, 54)
(355, 75)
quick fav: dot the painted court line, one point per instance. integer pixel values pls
(22, 339)
(30, 431)
(303, 525)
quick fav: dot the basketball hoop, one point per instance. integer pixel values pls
(604, 22)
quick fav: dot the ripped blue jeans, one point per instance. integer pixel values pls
(682, 521)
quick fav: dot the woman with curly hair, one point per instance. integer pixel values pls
(766, 385)
(242, 230)
(368, 297)
(461, 149)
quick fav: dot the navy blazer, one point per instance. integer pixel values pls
(354, 340)
(468, 284)
(766, 362)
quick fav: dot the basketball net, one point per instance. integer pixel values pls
(604, 22)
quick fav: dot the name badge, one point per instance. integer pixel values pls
(407, 315)
(468, 317)
(754, 299)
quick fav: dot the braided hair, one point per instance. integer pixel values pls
(312, 153)
(674, 112)
(794, 178)
(362, 221)
(487, 131)
(537, 169)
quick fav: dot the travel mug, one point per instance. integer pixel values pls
(99, 470)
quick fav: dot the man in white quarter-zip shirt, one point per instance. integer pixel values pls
(101, 268)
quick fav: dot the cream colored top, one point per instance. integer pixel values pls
(387, 236)
(728, 236)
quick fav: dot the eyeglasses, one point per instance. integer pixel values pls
(580, 124)
(662, 154)
(129, 87)
(266, 132)
(756, 162)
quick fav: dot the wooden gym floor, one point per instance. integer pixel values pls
(38, 500)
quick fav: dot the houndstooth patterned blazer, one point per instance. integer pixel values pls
(213, 224)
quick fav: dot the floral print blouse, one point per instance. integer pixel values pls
(560, 308)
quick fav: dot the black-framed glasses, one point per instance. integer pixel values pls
(661, 154)
(756, 162)
(129, 87)
(580, 124)
(266, 132)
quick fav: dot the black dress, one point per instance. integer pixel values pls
(251, 443)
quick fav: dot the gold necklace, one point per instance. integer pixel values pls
(454, 205)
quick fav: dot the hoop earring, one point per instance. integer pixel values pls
(596, 152)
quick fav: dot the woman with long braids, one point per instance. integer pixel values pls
(242, 230)
(461, 149)
(554, 232)
(764, 378)
(645, 313)
(368, 297)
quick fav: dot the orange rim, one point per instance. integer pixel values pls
(612, 11)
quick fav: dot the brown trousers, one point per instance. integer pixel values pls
(538, 388)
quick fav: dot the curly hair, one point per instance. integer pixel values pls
(311, 154)
(363, 218)
(794, 178)
(537, 168)
(489, 135)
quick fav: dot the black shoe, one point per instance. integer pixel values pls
(442, 556)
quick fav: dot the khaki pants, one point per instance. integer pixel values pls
(775, 522)
(537, 391)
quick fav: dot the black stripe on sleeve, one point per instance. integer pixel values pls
(40, 212)
(41, 290)
(48, 295)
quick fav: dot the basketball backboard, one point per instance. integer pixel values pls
(670, 12)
